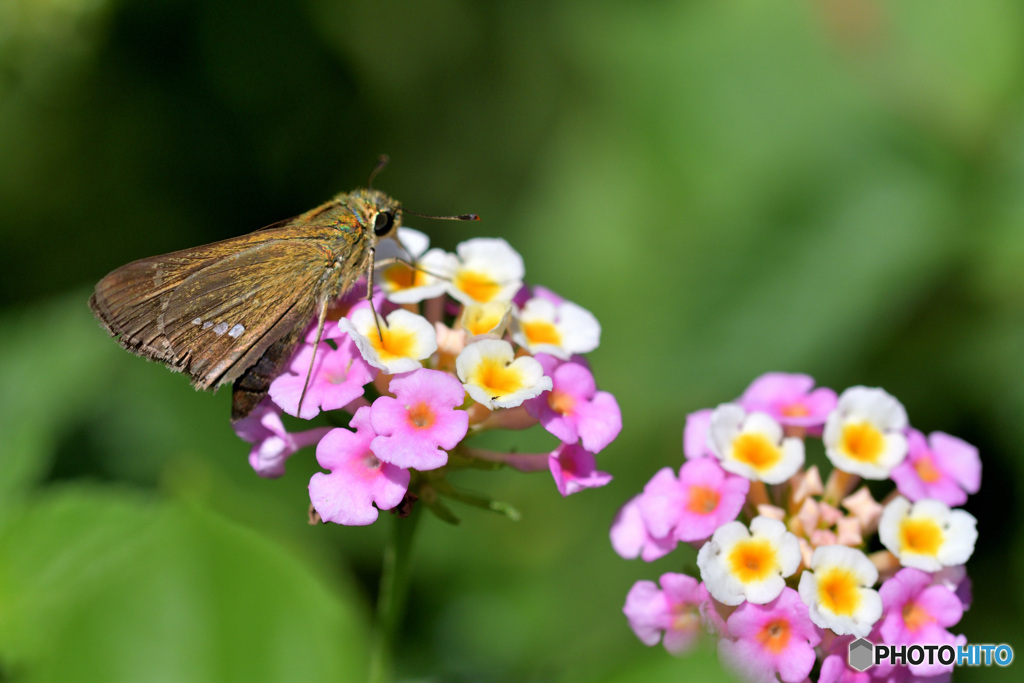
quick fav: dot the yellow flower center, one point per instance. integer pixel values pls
(542, 332)
(753, 560)
(497, 378)
(482, 319)
(400, 276)
(926, 469)
(703, 500)
(392, 343)
(757, 451)
(838, 591)
(921, 536)
(561, 402)
(774, 636)
(915, 617)
(421, 415)
(480, 286)
(862, 441)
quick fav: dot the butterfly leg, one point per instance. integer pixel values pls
(321, 319)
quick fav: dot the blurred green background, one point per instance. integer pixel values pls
(832, 187)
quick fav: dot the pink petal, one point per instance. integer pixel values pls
(661, 502)
(959, 458)
(573, 469)
(574, 379)
(647, 611)
(695, 434)
(599, 420)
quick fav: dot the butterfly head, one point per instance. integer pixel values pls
(379, 212)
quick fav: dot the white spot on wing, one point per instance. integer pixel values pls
(207, 325)
(197, 321)
(236, 331)
(220, 329)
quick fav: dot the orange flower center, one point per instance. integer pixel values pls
(862, 441)
(685, 617)
(774, 636)
(838, 591)
(752, 560)
(703, 500)
(561, 402)
(915, 617)
(421, 415)
(926, 469)
(796, 410)
(921, 536)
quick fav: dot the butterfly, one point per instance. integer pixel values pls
(233, 312)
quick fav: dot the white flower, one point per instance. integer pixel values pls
(485, 269)
(752, 445)
(864, 434)
(494, 377)
(927, 534)
(556, 329)
(403, 340)
(837, 590)
(402, 283)
(737, 564)
(486, 319)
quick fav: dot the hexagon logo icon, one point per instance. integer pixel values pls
(862, 654)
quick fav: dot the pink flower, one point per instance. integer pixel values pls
(713, 613)
(573, 468)
(574, 409)
(695, 434)
(944, 467)
(338, 378)
(918, 611)
(673, 611)
(630, 537)
(272, 443)
(777, 637)
(422, 422)
(956, 579)
(527, 292)
(789, 399)
(835, 667)
(357, 478)
(690, 509)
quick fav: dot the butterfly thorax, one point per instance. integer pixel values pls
(347, 228)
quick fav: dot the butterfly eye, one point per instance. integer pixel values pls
(382, 223)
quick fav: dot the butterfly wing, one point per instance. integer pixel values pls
(213, 311)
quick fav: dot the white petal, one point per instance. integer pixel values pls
(724, 427)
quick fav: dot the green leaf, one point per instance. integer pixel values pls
(106, 585)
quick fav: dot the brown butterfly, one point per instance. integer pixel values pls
(234, 311)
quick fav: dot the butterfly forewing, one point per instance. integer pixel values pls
(233, 311)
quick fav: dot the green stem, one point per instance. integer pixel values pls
(394, 584)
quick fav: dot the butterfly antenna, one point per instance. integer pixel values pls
(382, 162)
(460, 217)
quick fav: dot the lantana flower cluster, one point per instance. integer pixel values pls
(790, 568)
(452, 347)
